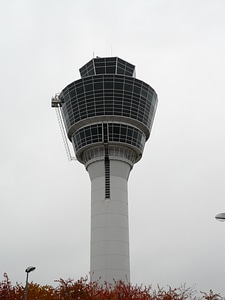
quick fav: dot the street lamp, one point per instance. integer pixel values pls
(28, 270)
(220, 217)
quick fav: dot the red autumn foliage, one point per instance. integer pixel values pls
(82, 289)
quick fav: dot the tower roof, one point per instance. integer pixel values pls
(107, 65)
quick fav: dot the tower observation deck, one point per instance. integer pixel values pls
(108, 116)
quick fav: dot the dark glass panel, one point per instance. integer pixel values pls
(108, 85)
(109, 95)
(90, 64)
(120, 70)
(122, 139)
(135, 134)
(99, 111)
(109, 103)
(98, 85)
(94, 130)
(90, 102)
(83, 114)
(87, 131)
(134, 106)
(88, 87)
(99, 98)
(121, 64)
(117, 109)
(70, 87)
(90, 71)
(128, 73)
(80, 90)
(143, 92)
(116, 129)
(91, 113)
(117, 113)
(115, 138)
(109, 110)
(128, 87)
(95, 139)
(110, 70)
(110, 129)
(123, 130)
(100, 70)
(99, 126)
(105, 130)
(129, 132)
(137, 89)
(82, 134)
(118, 85)
(99, 62)
(99, 106)
(126, 113)
(111, 61)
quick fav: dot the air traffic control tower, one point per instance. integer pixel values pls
(108, 116)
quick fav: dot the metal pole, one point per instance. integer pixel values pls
(28, 270)
(25, 291)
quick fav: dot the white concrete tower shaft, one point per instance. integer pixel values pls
(109, 222)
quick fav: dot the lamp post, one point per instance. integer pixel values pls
(220, 217)
(28, 270)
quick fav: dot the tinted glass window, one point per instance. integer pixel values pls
(98, 85)
(100, 70)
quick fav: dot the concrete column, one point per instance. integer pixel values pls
(109, 223)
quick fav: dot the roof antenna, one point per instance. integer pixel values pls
(111, 50)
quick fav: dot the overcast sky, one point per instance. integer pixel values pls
(175, 191)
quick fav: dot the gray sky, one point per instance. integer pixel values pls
(177, 188)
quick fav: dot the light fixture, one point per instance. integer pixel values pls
(28, 270)
(220, 217)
